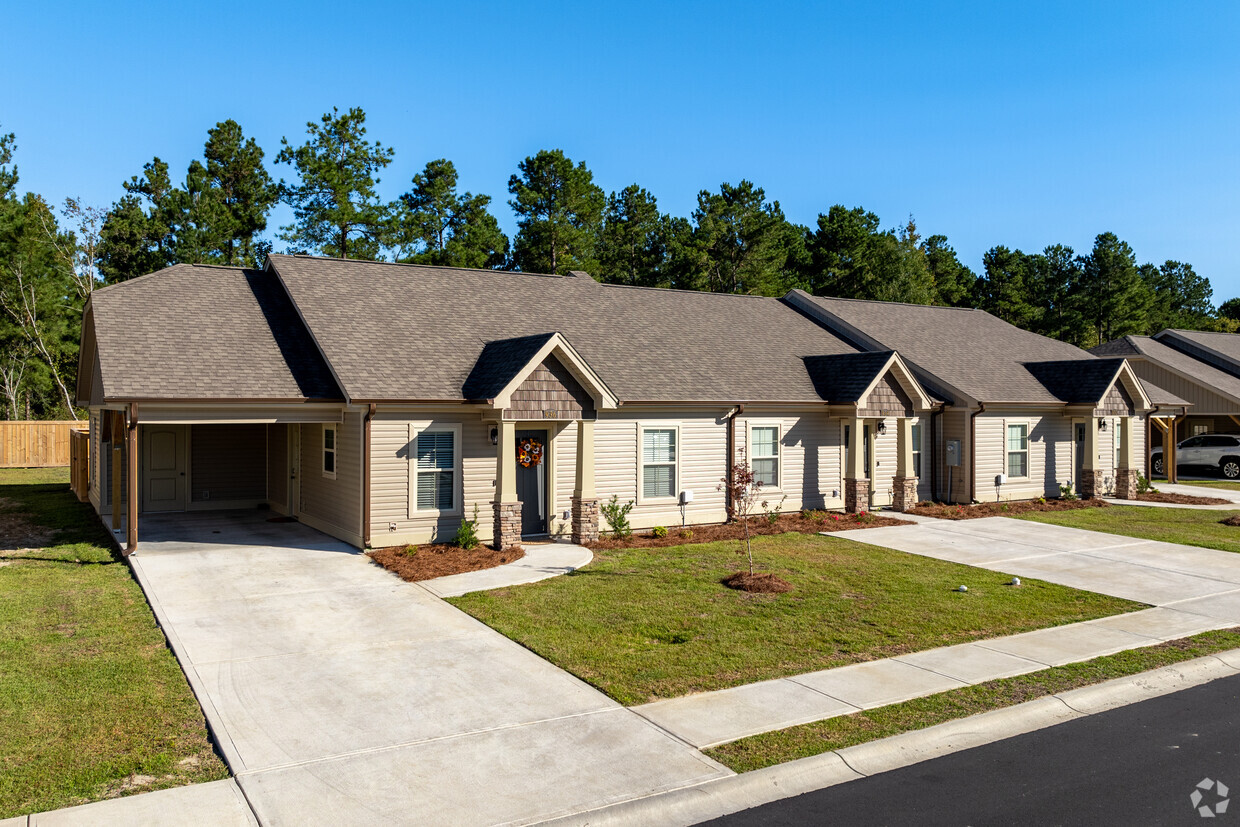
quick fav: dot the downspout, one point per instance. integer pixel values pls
(981, 408)
(370, 412)
(934, 453)
(731, 459)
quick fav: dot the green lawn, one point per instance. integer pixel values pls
(1187, 526)
(643, 624)
(92, 702)
(803, 741)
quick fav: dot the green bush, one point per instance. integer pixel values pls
(686, 533)
(467, 534)
(617, 517)
(1066, 492)
(1144, 486)
(814, 515)
(659, 531)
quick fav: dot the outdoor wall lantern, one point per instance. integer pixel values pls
(882, 427)
(1102, 424)
(494, 435)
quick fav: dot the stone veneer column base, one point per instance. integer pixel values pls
(903, 493)
(1093, 484)
(585, 520)
(1126, 483)
(857, 495)
(507, 525)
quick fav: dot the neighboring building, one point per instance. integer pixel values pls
(1202, 369)
(1038, 411)
(384, 403)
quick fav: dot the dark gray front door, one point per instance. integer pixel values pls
(532, 486)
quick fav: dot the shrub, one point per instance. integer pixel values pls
(772, 514)
(814, 515)
(411, 550)
(659, 531)
(1144, 486)
(686, 533)
(1066, 492)
(617, 517)
(467, 535)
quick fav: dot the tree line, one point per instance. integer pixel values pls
(736, 240)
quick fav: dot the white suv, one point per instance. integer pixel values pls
(1218, 452)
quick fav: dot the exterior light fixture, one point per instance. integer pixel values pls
(882, 427)
(494, 435)
(1102, 424)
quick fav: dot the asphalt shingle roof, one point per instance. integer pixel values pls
(1205, 374)
(845, 376)
(970, 350)
(1220, 349)
(499, 363)
(407, 332)
(203, 332)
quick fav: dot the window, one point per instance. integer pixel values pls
(658, 462)
(1200, 429)
(436, 470)
(329, 451)
(764, 455)
(916, 449)
(1018, 450)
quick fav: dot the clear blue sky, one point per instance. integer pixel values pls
(992, 123)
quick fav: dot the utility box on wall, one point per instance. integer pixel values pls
(953, 453)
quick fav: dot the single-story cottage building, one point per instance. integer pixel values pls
(384, 403)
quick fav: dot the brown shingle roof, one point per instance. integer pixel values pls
(204, 332)
(408, 332)
(1196, 370)
(1219, 349)
(969, 350)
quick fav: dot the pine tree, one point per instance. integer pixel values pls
(632, 245)
(559, 214)
(437, 225)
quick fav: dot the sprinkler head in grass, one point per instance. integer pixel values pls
(1015, 581)
(963, 589)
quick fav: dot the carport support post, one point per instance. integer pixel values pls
(131, 500)
(856, 485)
(1091, 484)
(904, 486)
(507, 508)
(118, 489)
(585, 499)
(1171, 459)
(1126, 474)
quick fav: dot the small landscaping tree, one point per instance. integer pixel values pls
(744, 491)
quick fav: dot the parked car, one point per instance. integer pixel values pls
(1218, 452)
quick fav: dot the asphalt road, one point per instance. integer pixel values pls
(1131, 766)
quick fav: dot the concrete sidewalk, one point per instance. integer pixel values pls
(1193, 590)
(541, 561)
(216, 804)
(340, 694)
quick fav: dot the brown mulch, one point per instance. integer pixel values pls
(1180, 499)
(1233, 520)
(415, 563)
(758, 526)
(763, 582)
(945, 511)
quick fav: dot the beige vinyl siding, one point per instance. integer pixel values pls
(1203, 400)
(809, 447)
(228, 465)
(564, 464)
(277, 467)
(334, 506)
(1048, 465)
(886, 448)
(701, 463)
(954, 482)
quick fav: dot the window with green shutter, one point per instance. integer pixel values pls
(658, 462)
(436, 469)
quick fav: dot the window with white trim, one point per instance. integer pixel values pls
(659, 462)
(1018, 450)
(764, 454)
(916, 449)
(436, 470)
(329, 451)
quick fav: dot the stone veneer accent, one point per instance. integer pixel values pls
(1093, 484)
(857, 495)
(585, 520)
(903, 493)
(1126, 483)
(507, 525)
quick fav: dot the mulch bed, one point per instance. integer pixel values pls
(1180, 499)
(1233, 520)
(762, 582)
(759, 525)
(415, 563)
(945, 511)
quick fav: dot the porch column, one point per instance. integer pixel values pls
(856, 484)
(1125, 474)
(585, 499)
(1171, 451)
(507, 508)
(904, 485)
(118, 454)
(1091, 483)
(131, 518)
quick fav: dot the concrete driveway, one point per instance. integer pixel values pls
(1198, 581)
(340, 694)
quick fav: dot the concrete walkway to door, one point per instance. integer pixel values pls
(340, 694)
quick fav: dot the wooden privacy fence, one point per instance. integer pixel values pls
(79, 463)
(36, 444)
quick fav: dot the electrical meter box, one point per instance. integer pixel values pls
(953, 453)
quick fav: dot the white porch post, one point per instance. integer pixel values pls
(585, 500)
(1125, 472)
(507, 508)
(904, 486)
(856, 484)
(1090, 484)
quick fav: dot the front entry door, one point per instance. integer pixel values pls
(163, 468)
(532, 483)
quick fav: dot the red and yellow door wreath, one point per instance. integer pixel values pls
(529, 452)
